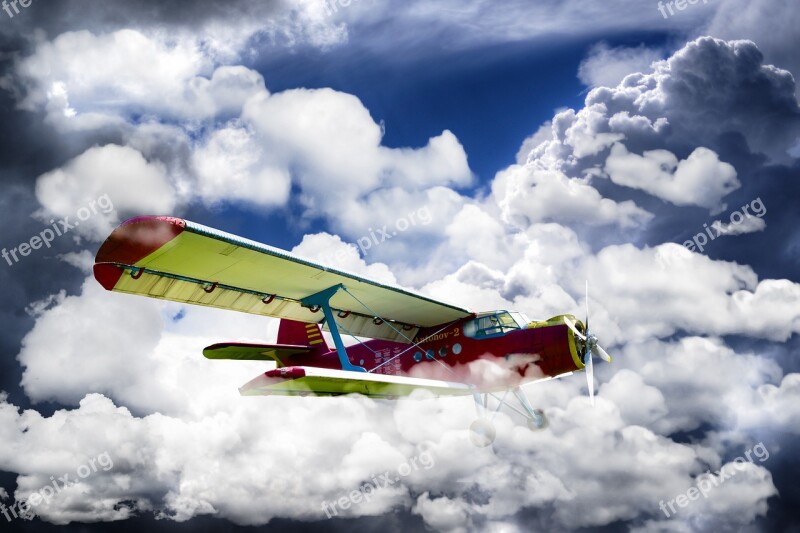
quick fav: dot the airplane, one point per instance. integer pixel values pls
(403, 341)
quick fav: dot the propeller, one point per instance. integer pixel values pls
(590, 346)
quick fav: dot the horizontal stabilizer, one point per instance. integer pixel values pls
(312, 381)
(254, 352)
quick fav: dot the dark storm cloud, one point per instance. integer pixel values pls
(712, 88)
(715, 89)
(58, 16)
(723, 96)
(774, 25)
(27, 149)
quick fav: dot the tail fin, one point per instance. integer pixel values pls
(302, 333)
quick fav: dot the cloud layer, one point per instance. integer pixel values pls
(193, 129)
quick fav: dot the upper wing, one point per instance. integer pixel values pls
(302, 381)
(174, 259)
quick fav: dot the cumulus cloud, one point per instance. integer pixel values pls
(700, 179)
(334, 147)
(184, 442)
(222, 137)
(162, 463)
(674, 105)
(770, 24)
(330, 250)
(98, 72)
(127, 183)
(734, 300)
(527, 195)
(679, 386)
(772, 406)
(231, 166)
(125, 347)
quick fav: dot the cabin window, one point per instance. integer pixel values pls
(491, 325)
(456, 348)
(520, 319)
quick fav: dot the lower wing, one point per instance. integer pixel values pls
(306, 381)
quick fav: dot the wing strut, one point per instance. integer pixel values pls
(322, 300)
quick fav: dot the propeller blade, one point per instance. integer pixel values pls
(589, 375)
(601, 353)
(571, 325)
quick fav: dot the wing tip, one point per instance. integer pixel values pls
(138, 237)
(107, 275)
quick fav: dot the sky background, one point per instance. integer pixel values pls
(552, 142)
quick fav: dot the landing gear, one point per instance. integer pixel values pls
(535, 417)
(539, 421)
(482, 432)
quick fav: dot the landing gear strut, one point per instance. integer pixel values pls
(482, 432)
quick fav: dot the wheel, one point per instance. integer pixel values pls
(540, 422)
(482, 433)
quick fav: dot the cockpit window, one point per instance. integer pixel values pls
(520, 319)
(498, 323)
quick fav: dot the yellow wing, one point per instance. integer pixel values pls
(174, 259)
(305, 381)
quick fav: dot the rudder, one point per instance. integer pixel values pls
(302, 333)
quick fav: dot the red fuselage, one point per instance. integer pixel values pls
(497, 358)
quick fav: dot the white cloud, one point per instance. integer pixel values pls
(345, 174)
(156, 93)
(749, 224)
(671, 105)
(700, 179)
(189, 446)
(679, 386)
(99, 72)
(444, 514)
(337, 145)
(607, 66)
(772, 406)
(330, 250)
(130, 183)
(532, 141)
(125, 347)
(528, 195)
(231, 166)
(626, 280)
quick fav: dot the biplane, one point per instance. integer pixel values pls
(402, 341)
